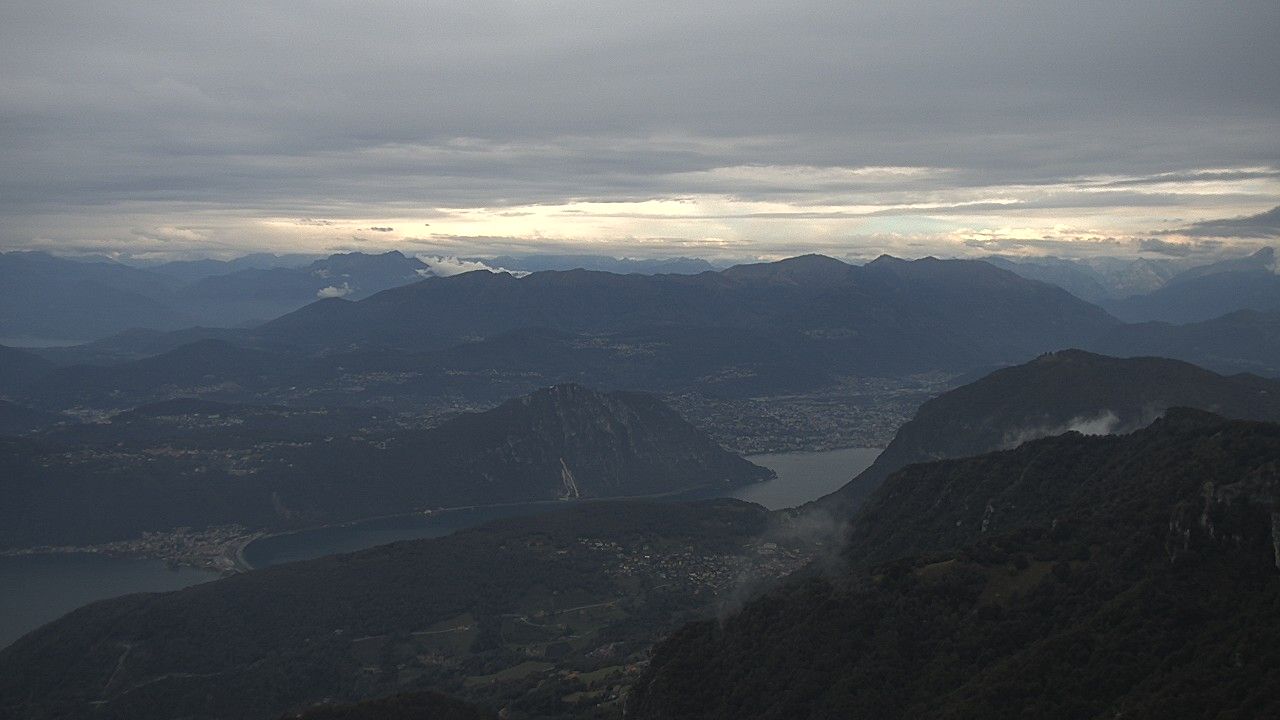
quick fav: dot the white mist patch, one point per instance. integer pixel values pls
(446, 265)
(334, 291)
(821, 534)
(1105, 422)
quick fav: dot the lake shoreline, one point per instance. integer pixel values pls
(442, 511)
(38, 585)
(222, 548)
(833, 467)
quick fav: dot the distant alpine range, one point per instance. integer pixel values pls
(765, 329)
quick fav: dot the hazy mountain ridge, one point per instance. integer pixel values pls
(1207, 292)
(606, 263)
(1242, 341)
(1099, 279)
(881, 298)
(50, 298)
(1070, 577)
(262, 294)
(762, 329)
(1055, 393)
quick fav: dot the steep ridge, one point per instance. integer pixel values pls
(1057, 392)
(1073, 577)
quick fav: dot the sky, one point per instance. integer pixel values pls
(646, 129)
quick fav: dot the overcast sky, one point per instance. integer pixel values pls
(721, 129)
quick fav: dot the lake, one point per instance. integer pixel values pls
(805, 476)
(802, 476)
(35, 589)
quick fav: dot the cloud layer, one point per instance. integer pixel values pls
(636, 128)
(1263, 225)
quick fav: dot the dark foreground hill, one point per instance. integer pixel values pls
(543, 616)
(1073, 577)
(1055, 393)
(197, 464)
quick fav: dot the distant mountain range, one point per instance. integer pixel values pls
(789, 326)
(46, 299)
(1173, 291)
(1053, 394)
(604, 263)
(1126, 576)
(1242, 341)
(793, 326)
(1098, 280)
(196, 464)
(1207, 292)
(49, 300)
(953, 307)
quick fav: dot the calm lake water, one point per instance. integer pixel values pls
(36, 589)
(802, 476)
(805, 476)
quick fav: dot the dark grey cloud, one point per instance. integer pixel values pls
(272, 109)
(1164, 247)
(1260, 226)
